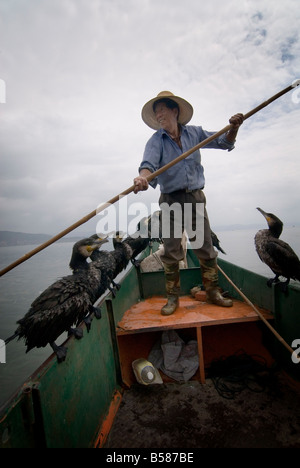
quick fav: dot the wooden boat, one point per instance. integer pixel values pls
(77, 403)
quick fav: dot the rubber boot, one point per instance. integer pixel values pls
(172, 279)
(210, 282)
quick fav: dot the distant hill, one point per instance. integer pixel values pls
(10, 238)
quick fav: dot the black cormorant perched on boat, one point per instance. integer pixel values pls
(82, 250)
(65, 303)
(111, 263)
(137, 244)
(216, 242)
(275, 253)
(151, 227)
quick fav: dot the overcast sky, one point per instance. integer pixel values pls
(77, 73)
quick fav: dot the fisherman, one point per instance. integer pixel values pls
(181, 184)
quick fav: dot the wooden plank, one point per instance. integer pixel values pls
(145, 315)
(201, 355)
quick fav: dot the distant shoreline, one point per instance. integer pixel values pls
(11, 238)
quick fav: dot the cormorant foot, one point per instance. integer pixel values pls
(97, 312)
(117, 286)
(113, 291)
(272, 280)
(135, 262)
(60, 351)
(76, 332)
(88, 322)
(284, 286)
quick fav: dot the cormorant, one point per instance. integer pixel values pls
(152, 226)
(111, 263)
(137, 244)
(66, 302)
(107, 261)
(82, 250)
(216, 242)
(275, 253)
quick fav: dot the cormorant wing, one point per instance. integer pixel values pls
(57, 308)
(283, 258)
(59, 292)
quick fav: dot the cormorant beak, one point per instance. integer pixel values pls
(119, 235)
(266, 215)
(102, 240)
(97, 243)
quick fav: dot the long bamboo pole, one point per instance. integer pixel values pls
(149, 178)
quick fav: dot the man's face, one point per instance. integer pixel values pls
(166, 117)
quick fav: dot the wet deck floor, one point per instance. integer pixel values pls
(192, 415)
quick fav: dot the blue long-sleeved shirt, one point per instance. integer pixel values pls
(186, 174)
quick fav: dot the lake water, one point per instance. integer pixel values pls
(19, 287)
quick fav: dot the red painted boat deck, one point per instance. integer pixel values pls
(146, 316)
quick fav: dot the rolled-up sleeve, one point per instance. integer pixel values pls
(224, 143)
(152, 156)
(219, 143)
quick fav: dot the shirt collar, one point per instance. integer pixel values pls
(164, 132)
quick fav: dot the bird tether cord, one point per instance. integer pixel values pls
(149, 178)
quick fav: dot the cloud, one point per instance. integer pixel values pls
(77, 74)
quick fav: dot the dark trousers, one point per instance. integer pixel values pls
(184, 202)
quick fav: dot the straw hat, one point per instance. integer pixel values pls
(185, 110)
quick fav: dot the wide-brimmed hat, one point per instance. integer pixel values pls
(185, 109)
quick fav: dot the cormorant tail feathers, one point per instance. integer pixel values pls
(11, 338)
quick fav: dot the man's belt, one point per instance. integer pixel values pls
(186, 190)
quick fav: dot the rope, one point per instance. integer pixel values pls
(239, 372)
